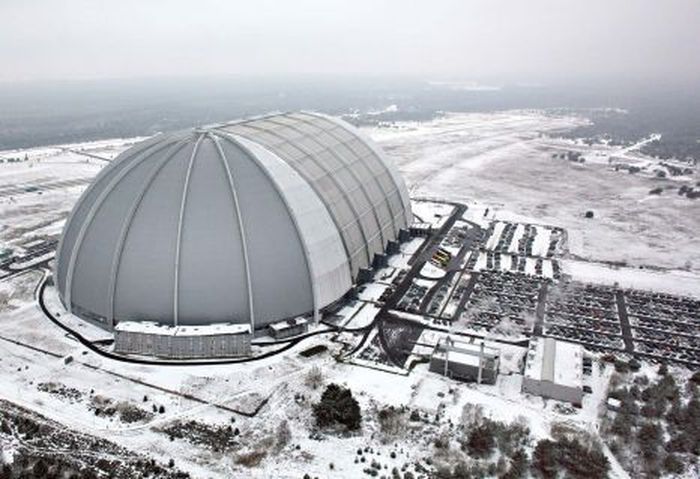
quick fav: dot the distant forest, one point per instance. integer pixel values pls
(53, 113)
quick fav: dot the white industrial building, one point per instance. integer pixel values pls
(554, 369)
(467, 361)
(182, 342)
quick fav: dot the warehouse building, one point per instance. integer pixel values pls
(182, 342)
(251, 222)
(554, 369)
(466, 361)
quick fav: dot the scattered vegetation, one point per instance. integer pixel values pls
(61, 390)
(570, 457)
(657, 428)
(217, 438)
(314, 378)
(35, 453)
(392, 421)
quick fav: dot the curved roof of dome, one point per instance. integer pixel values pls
(256, 220)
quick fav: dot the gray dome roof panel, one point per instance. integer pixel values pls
(215, 282)
(144, 266)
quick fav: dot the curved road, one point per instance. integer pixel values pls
(160, 362)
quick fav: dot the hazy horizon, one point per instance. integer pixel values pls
(486, 42)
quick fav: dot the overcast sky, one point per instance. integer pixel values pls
(507, 40)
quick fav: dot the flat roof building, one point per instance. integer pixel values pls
(554, 369)
(182, 342)
(466, 361)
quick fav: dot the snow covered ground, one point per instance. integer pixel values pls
(504, 159)
(37, 194)
(678, 282)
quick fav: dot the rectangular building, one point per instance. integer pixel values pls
(182, 342)
(554, 369)
(466, 361)
(288, 328)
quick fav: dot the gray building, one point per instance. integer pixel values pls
(182, 342)
(288, 328)
(250, 222)
(554, 369)
(466, 361)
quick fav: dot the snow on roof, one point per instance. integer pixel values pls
(463, 352)
(555, 361)
(421, 225)
(288, 323)
(151, 327)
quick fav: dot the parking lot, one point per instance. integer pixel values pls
(584, 313)
(499, 296)
(508, 274)
(663, 325)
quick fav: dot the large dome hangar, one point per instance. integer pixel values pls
(245, 223)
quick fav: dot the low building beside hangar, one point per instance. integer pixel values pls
(466, 361)
(554, 369)
(182, 342)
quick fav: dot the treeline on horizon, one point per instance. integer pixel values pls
(70, 112)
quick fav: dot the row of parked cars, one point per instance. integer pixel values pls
(498, 295)
(584, 313)
(665, 325)
(593, 340)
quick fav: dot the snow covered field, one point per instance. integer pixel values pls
(504, 159)
(37, 193)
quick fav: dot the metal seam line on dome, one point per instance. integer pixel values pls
(305, 177)
(231, 138)
(345, 193)
(385, 196)
(345, 164)
(321, 197)
(325, 173)
(91, 215)
(379, 160)
(110, 166)
(377, 152)
(183, 203)
(359, 160)
(241, 228)
(126, 225)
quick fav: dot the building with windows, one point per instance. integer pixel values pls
(182, 342)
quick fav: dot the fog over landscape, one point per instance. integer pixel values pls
(329, 238)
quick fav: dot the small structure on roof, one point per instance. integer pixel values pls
(554, 369)
(289, 327)
(218, 340)
(466, 361)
